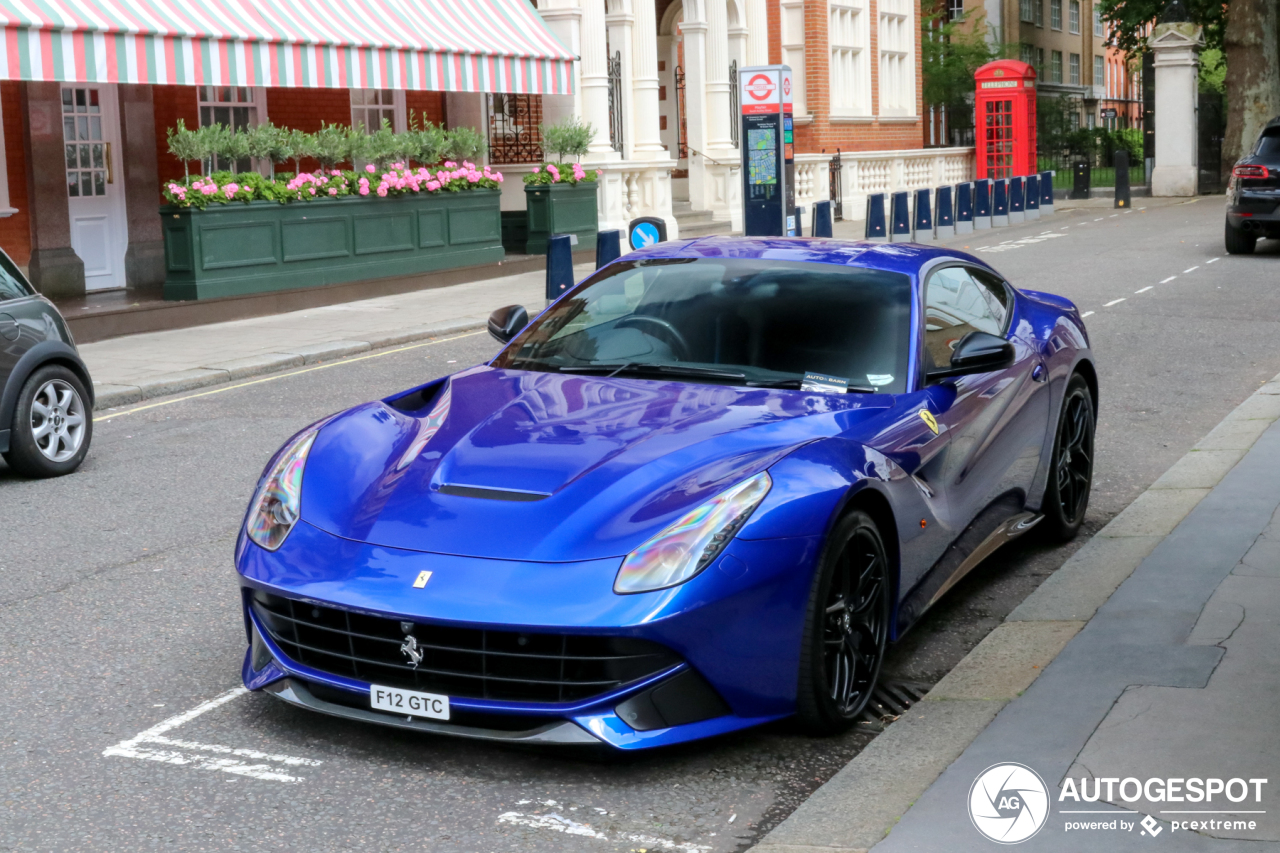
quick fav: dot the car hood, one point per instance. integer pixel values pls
(568, 467)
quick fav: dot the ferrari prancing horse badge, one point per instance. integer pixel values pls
(928, 418)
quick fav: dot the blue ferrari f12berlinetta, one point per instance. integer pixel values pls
(702, 490)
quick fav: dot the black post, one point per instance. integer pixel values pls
(1081, 173)
(608, 247)
(822, 219)
(1122, 179)
(559, 265)
(799, 220)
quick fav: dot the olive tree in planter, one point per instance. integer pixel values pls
(560, 197)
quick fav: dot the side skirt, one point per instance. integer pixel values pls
(1001, 522)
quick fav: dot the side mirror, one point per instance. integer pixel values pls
(506, 323)
(977, 352)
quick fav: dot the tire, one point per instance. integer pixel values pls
(843, 649)
(1066, 496)
(52, 424)
(1239, 242)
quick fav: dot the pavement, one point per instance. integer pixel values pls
(1150, 655)
(125, 729)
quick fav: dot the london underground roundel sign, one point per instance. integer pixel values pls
(759, 87)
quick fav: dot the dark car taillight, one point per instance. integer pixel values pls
(1249, 172)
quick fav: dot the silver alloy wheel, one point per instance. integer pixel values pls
(57, 420)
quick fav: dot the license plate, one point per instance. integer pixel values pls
(409, 702)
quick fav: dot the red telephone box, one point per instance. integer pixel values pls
(1005, 108)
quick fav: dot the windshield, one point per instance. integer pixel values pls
(740, 321)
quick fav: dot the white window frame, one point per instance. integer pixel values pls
(1026, 13)
(850, 63)
(1039, 10)
(399, 122)
(791, 22)
(1073, 17)
(896, 39)
(1055, 66)
(1099, 71)
(1055, 14)
(1098, 31)
(1073, 69)
(257, 102)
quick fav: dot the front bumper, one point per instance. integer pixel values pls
(737, 625)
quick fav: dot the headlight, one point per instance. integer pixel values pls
(687, 547)
(278, 501)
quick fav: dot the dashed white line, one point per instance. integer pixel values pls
(1145, 289)
(187, 753)
(1064, 227)
(1100, 218)
(560, 823)
(1113, 216)
(1114, 302)
(1086, 314)
(1169, 279)
(1193, 269)
(1211, 260)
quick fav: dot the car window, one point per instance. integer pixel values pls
(11, 286)
(959, 301)
(1269, 143)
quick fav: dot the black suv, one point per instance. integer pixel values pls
(46, 396)
(1253, 194)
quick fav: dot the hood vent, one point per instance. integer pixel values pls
(492, 494)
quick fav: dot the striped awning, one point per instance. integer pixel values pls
(440, 45)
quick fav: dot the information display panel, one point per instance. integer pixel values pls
(768, 151)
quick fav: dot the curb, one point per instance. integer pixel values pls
(856, 808)
(217, 373)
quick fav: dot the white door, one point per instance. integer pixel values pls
(95, 182)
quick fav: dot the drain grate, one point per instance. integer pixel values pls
(889, 701)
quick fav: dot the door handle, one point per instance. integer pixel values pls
(110, 172)
(1039, 374)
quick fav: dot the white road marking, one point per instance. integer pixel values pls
(1211, 260)
(1113, 216)
(562, 824)
(1086, 314)
(1099, 219)
(187, 753)
(1114, 302)
(1145, 289)
(1169, 279)
(1193, 269)
(1064, 227)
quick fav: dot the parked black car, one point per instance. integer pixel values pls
(46, 396)
(1253, 194)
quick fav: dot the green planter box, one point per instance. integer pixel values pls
(236, 249)
(560, 209)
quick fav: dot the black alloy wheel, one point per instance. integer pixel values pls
(1066, 496)
(846, 629)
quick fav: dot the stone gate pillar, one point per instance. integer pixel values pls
(1177, 64)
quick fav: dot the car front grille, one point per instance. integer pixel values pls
(470, 663)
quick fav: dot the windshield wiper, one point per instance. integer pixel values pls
(796, 383)
(648, 368)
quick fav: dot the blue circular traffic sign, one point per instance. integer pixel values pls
(644, 234)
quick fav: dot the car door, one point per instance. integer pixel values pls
(14, 297)
(992, 420)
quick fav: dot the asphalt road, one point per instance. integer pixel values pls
(120, 608)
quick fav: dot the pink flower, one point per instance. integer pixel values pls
(336, 173)
(369, 168)
(364, 189)
(537, 169)
(449, 164)
(313, 190)
(382, 191)
(433, 185)
(333, 191)
(599, 172)
(474, 177)
(498, 176)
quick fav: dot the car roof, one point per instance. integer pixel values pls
(905, 258)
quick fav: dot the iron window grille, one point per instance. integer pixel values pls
(513, 129)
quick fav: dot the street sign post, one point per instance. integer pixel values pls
(768, 151)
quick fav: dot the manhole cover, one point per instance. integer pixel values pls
(889, 701)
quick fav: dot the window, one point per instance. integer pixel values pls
(236, 107)
(998, 129)
(955, 10)
(1074, 63)
(1055, 66)
(11, 281)
(793, 47)
(1055, 14)
(85, 148)
(1039, 13)
(1073, 11)
(1040, 62)
(959, 301)
(897, 67)
(1099, 71)
(850, 74)
(370, 106)
(1097, 21)
(1025, 11)
(1027, 54)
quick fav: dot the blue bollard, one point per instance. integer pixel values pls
(608, 247)
(1017, 202)
(900, 218)
(944, 215)
(982, 204)
(1046, 192)
(822, 219)
(922, 222)
(1000, 202)
(559, 265)
(877, 228)
(1032, 183)
(964, 208)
